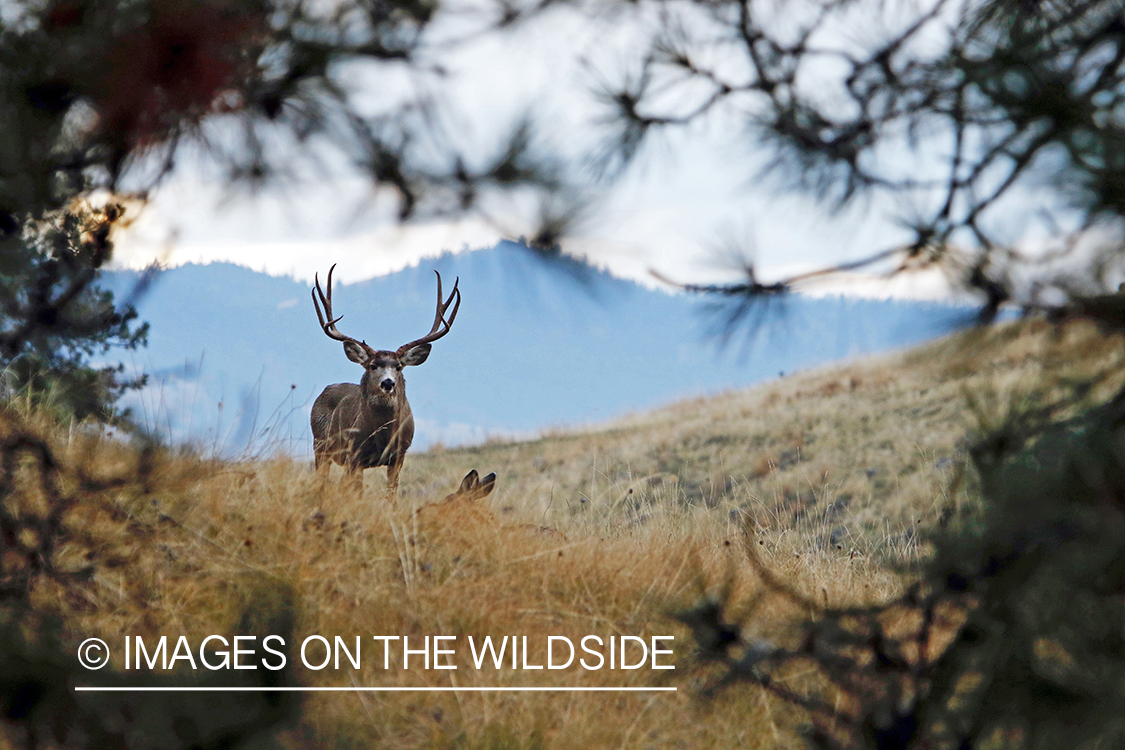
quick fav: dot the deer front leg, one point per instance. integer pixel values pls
(392, 481)
(323, 464)
(353, 478)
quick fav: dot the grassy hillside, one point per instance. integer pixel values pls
(833, 476)
(859, 455)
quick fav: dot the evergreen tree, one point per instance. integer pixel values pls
(56, 321)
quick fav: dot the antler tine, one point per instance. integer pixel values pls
(440, 317)
(441, 326)
(437, 315)
(326, 320)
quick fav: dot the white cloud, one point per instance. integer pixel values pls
(674, 211)
(375, 253)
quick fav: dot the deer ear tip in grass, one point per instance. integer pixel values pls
(471, 489)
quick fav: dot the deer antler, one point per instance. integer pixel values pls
(327, 322)
(441, 325)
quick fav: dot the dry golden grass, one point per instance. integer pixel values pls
(604, 531)
(869, 451)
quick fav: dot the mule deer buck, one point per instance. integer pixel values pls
(370, 424)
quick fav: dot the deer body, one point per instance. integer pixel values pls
(360, 432)
(370, 424)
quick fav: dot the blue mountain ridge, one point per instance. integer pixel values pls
(534, 347)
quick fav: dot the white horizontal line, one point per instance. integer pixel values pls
(79, 689)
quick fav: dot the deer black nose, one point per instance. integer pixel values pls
(387, 385)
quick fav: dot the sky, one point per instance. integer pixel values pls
(689, 198)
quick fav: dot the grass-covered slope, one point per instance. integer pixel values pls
(832, 475)
(868, 451)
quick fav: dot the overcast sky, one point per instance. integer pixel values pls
(688, 199)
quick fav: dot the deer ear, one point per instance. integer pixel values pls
(487, 484)
(417, 355)
(355, 352)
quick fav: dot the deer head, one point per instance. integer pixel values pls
(382, 377)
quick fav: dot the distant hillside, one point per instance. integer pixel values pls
(237, 357)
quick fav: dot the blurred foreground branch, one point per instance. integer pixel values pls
(994, 128)
(65, 525)
(1011, 631)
